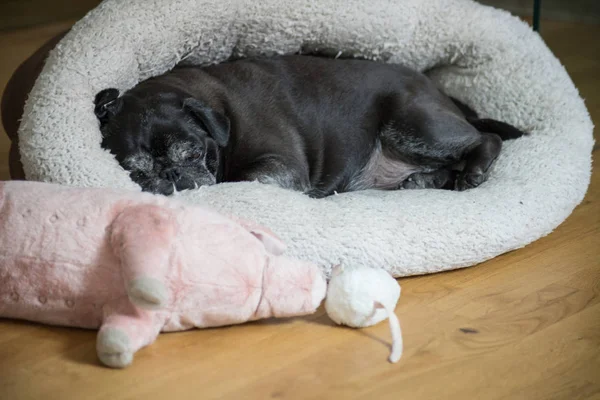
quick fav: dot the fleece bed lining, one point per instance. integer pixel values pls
(483, 56)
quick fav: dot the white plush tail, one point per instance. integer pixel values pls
(396, 331)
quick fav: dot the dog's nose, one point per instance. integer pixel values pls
(171, 174)
(184, 183)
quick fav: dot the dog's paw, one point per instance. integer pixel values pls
(427, 180)
(112, 346)
(466, 181)
(316, 193)
(410, 184)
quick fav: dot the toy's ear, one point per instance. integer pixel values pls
(272, 243)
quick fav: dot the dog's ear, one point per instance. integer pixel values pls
(106, 104)
(216, 124)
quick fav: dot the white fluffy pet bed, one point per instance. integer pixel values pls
(485, 57)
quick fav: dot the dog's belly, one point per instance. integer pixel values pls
(382, 172)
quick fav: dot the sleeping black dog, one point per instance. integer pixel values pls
(310, 124)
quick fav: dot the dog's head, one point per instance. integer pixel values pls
(166, 140)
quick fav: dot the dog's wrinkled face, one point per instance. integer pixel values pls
(167, 142)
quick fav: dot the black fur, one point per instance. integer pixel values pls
(306, 123)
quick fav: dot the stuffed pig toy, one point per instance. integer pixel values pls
(135, 264)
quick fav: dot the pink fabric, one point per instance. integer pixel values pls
(70, 256)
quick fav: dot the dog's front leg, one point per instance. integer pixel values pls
(272, 170)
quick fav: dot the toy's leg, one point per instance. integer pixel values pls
(125, 330)
(142, 237)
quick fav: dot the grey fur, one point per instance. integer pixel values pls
(382, 172)
(149, 173)
(139, 162)
(271, 171)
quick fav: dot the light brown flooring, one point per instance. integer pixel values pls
(536, 312)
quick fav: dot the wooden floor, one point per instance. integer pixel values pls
(525, 325)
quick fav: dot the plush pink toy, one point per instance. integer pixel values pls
(135, 264)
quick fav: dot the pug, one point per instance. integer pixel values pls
(310, 124)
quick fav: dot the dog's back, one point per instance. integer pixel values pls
(320, 125)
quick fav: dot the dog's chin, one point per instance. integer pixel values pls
(167, 188)
(158, 186)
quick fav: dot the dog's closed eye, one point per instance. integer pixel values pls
(185, 151)
(194, 155)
